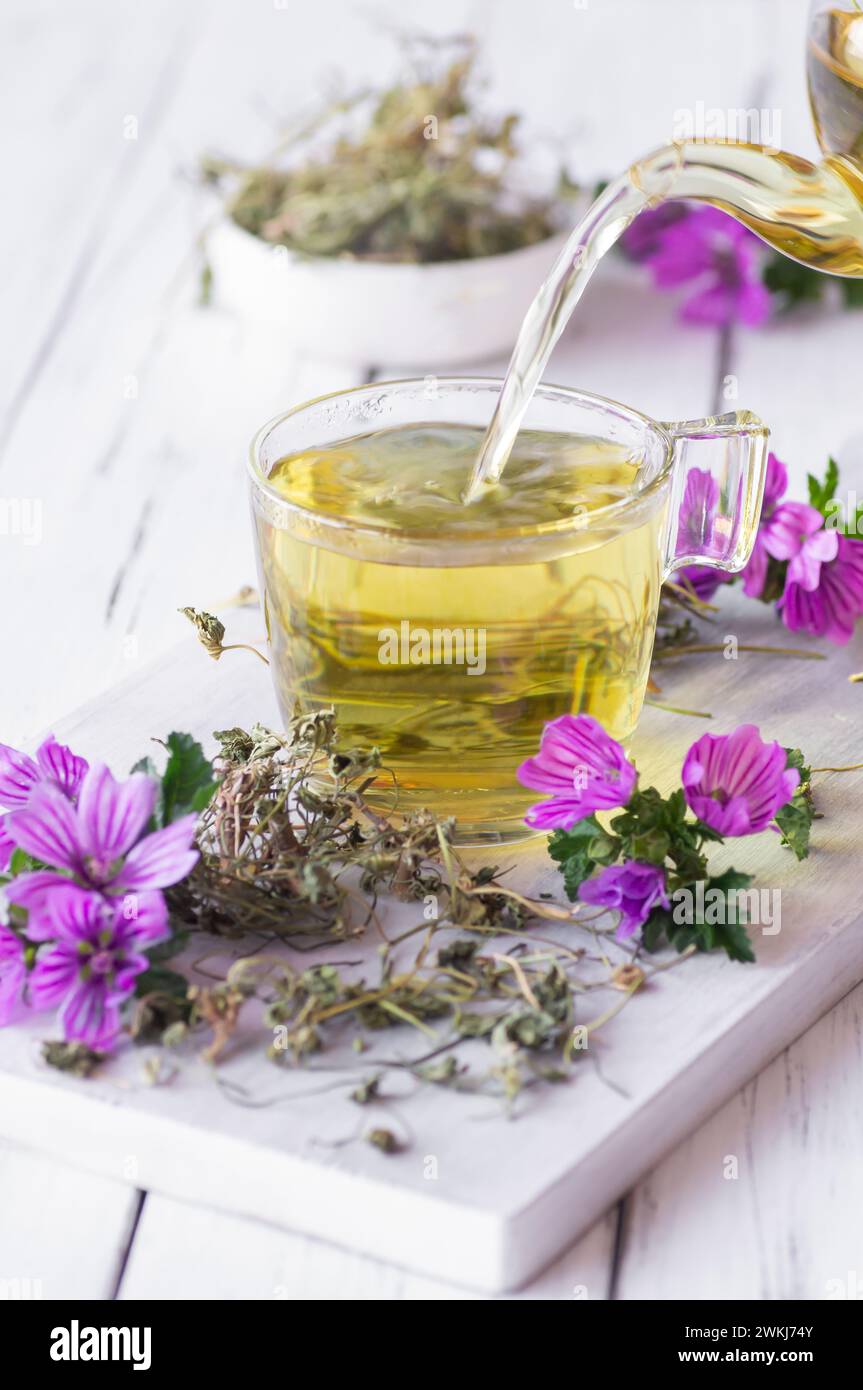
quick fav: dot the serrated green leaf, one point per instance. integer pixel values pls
(796, 817)
(187, 782)
(563, 843)
(795, 823)
(733, 939)
(576, 869)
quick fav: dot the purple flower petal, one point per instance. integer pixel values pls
(775, 484)
(78, 914)
(54, 974)
(582, 765)
(142, 917)
(18, 776)
(32, 892)
(790, 526)
(735, 783)
(113, 814)
(46, 828)
(91, 1014)
(7, 845)
(755, 571)
(832, 609)
(633, 889)
(160, 859)
(703, 580)
(558, 813)
(61, 765)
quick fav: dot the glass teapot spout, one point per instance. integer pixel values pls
(810, 212)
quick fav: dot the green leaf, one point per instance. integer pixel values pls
(795, 822)
(651, 848)
(823, 491)
(793, 284)
(658, 925)
(187, 782)
(147, 766)
(718, 927)
(579, 850)
(795, 819)
(23, 863)
(576, 869)
(795, 758)
(733, 939)
(730, 879)
(159, 980)
(563, 843)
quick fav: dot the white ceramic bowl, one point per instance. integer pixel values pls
(381, 314)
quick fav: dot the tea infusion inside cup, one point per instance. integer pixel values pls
(448, 635)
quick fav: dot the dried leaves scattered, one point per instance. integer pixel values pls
(294, 858)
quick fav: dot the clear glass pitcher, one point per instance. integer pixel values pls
(450, 652)
(813, 213)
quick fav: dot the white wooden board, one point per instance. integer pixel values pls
(509, 1195)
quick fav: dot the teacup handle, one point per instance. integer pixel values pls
(716, 488)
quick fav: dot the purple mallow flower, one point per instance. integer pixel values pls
(735, 783)
(99, 904)
(796, 533)
(101, 842)
(831, 608)
(710, 247)
(91, 966)
(632, 889)
(643, 237)
(53, 766)
(583, 767)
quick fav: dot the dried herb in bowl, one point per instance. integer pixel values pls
(426, 178)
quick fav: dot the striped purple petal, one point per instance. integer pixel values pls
(18, 776)
(112, 814)
(142, 917)
(91, 1014)
(7, 845)
(584, 768)
(61, 765)
(735, 783)
(79, 915)
(54, 974)
(47, 828)
(160, 859)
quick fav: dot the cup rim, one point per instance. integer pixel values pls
(583, 524)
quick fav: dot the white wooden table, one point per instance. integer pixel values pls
(124, 414)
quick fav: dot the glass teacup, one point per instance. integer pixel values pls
(449, 647)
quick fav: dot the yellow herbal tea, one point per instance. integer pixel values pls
(447, 635)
